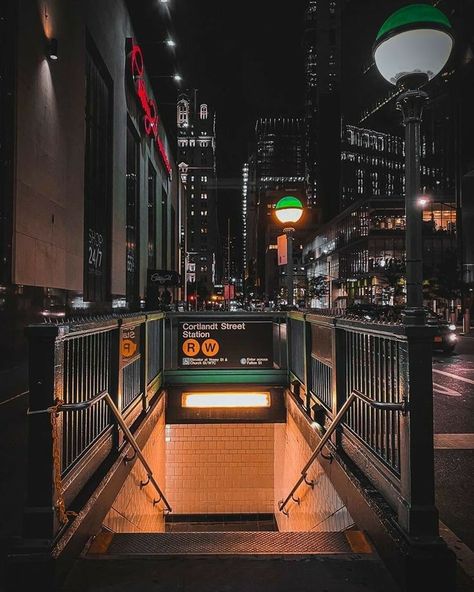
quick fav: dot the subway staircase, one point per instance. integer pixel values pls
(239, 561)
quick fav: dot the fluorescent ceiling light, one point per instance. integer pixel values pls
(225, 399)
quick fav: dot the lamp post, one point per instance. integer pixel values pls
(289, 210)
(412, 47)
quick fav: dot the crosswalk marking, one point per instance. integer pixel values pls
(454, 441)
(463, 378)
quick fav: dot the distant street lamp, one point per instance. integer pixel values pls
(288, 211)
(412, 47)
(176, 77)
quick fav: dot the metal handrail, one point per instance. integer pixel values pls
(403, 407)
(61, 407)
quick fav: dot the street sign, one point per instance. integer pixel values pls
(225, 344)
(162, 277)
(282, 245)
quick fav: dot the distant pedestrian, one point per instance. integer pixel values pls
(166, 299)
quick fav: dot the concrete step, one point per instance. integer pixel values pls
(230, 562)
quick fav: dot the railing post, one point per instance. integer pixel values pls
(417, 512)
(307, 344)
(116, 380)
(339, 390)
(144, 363)
(46, 368)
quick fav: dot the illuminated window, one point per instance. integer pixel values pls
(183, 113)
(203, 112)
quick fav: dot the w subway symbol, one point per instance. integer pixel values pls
(209, 347)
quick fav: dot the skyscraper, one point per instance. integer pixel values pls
(276, 168)
(322, 48)
(197, 168)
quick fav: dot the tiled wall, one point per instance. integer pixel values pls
(320, 508)
(228, 468)
(133, 510)
(220, 468)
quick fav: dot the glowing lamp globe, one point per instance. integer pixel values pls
(289, 209)
(415, 40)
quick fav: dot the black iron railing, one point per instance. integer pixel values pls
(353, 398)
(87, 361)
(388, 366)
(296, 347)
(71, 364)
(373, 366)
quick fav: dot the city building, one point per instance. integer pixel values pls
(359, 256)
(322, 121)
(197, 168)
(372, 165)
(89, 198)
(367, 166)
(276, 169)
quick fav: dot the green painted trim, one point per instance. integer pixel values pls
(297, 316)
(411, 15)
(155, 385)
(268, 377)
(289, 201)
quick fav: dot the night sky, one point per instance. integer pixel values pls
(246, 60)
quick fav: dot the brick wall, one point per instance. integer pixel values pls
(133, 510)
(220, 468)
(320, 508)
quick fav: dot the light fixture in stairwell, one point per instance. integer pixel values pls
(207, 400)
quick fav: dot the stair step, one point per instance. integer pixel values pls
(243, 543)
(230, 562)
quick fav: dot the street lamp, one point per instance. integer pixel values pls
(412, 47)
(176, 77)
(289, 210)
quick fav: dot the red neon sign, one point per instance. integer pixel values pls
(151, 120)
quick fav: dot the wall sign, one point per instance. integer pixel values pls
(129, 343)
(225, 344)
(162, 277)
(151, 121)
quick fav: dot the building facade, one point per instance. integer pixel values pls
(322, 55)
(197, 168)
(359, 257)
(90, 198)
(276, 169)
(368, 165)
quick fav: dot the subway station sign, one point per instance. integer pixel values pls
(225, 344)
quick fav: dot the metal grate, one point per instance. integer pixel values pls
(321, 378)
(230, 543)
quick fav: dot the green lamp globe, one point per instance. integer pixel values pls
(289, 209)
(415, 40)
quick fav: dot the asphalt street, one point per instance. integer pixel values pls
(453, 391)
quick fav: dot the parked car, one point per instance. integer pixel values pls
(445, 338)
